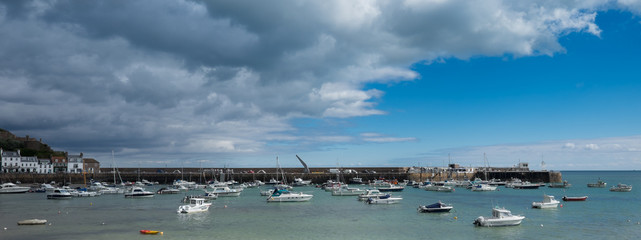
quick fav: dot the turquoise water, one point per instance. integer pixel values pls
(605, 215)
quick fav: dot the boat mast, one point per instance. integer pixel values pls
(114, 167)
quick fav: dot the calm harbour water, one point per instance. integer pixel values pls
(605, 215)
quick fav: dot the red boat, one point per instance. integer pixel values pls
(566, 198)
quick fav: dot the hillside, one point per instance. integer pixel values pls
(27, 146)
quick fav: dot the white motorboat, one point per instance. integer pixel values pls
(168, 191)
(438, 188)
(370, 193)
(283, 195)
(548, 202)
(79, 193)
(111, 190)
(224, 191)
(300, 182)
(391, 188)
(12, 188)
(347, 191)
(138, 192)
(195, 205)
(34, 221)
(387, 199)
(483, 187)
(267, 192)
(500, 217)
(436, 207)
(210, 196)
(58, 193)
(621, 188)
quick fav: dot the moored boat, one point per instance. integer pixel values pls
(621, 188)
(483, 187)
(32, 222)
(391, 188)
(152, 232)
(436, 207)
(168, 191)
(12, 188)
(500, 217)
(570, 199)
(387, 199)
(283, 195)
(138, 192)
(370, 193)
(564, 184)
(548, 202)
(195, 205)
(59, 193)
(599, 184)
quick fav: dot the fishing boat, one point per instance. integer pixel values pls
(32, 222)
(564, 184)
(58, 193)
(370, 193)
(387, 199)
(599, 184)
(436, 207)
(12, 188)
(571, 199)
(548, 202)
(225, 191)
(526, 185)
(195, 205)
(621, 188)
(391, 188)
(138, 192)
(347, 191)
(481, 187)
(500, 217)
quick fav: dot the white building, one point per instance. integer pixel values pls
(28, 164)
(10, 161)
(44, 166)
(74, 164)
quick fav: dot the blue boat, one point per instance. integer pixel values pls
(436, 207)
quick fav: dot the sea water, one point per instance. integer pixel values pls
(605, 215)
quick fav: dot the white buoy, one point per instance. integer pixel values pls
(541, 225)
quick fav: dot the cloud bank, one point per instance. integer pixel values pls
(162, 80)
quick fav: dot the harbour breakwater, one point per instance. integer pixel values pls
(317, 175)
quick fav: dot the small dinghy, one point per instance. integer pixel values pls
(150, 232)
(569, 199)
(32, 222)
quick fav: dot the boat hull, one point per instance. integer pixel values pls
(575, 199)
(503, 222)
(434, 210)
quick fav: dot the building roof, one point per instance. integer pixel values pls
(90, 160)
(10, 154)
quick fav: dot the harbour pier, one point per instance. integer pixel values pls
(317, 175)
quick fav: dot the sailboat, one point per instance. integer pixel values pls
(281, 194)
(481, 187)
(110, 189)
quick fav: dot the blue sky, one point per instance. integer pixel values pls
(349, 83)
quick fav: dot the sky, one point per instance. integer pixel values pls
(210, 84)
